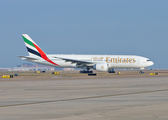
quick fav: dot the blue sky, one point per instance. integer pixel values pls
(119, 27)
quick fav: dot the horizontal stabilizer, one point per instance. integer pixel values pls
(27, 57)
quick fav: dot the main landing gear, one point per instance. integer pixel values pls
(85, 71)
(90, 73)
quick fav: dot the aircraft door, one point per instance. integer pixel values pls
(138, 61)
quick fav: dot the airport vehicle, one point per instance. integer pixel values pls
(105, 63)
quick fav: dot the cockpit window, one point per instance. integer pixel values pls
(149, 60)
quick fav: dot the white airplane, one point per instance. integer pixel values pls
(105, 63)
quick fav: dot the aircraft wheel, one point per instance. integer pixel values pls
(111, 71)
(92, 74)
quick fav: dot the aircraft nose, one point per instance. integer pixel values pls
(151, 63)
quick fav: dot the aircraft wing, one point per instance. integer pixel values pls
(32, 58)
(78, 62)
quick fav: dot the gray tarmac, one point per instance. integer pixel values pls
(92, 98)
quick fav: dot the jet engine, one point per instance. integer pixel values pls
(101, 67)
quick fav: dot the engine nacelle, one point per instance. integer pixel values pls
(101, 67)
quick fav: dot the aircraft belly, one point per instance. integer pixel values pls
(125, 65)
(66, 64)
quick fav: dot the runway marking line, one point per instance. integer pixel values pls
(33, 103)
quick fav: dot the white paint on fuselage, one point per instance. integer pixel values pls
(121, 61)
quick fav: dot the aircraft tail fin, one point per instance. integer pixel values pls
(32, 48)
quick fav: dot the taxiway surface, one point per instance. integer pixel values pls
(118, 98)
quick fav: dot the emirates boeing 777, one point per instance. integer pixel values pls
(105, 63)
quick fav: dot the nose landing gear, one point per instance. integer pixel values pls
(111, 70)
(141, 71)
